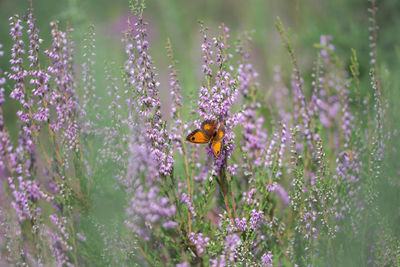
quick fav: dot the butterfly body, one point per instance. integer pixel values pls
(212, 132)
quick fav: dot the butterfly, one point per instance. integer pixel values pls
(212, 132)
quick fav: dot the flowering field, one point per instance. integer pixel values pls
(235, 154)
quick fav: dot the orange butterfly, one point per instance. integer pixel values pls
(212, 132)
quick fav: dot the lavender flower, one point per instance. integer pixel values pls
(185, 199)
(256, 218)
(142, 77)
(254, 137)
(324, 41)
(201, 242)
(63, 98)
(282, 193)
(231, 242)
(59, 241)
(219, 92)
(89, 98)
(176, 98)
(241, 224)
(147, 206)
(183, 264)
(266, 259)
(219, 262)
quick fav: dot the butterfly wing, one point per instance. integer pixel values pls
(216, 147)
(209, 127)
(220, 133)
(217, 142)
(198, 136)
(210, 131)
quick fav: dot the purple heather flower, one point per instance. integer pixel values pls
(219, 262)
(219, 91)
(81, 236)
(142, 77)
(255, 219)
(147, 206)
(282, 146)
(169, 224)
(247, 75)
(324, 41)
(59, 240)
(281, 192)
(201, 242)
(248, 196)
(270, 152)
(266, 259)
(254, 136)
(42, 115)
(231, 242)
(183, 264)
(241, 224)
(90, 99)
(280, 94)
(185, 199)
(176, 98)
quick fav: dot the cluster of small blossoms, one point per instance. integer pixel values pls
(247, 75)
(231, 243)
(323, 104)
(176, 98)
(146, 102)
(9, 238)
(248, 197)
(219, 262)
(241, 224)
(39, 77)
(266, 259)
(348, 167)
(21, 158)
(318, 207)
(18, 75)
(331, 99)
(282, 193)
(89, 98)
(327, 46)
(31, 90)
(4, 136)
(219, 91)
(183, 264)
(300, 107)
(63, 97)
(200, 241)
(256, 219)
(17, 51)
(113, 135)
(147, 206)
(59, 241)
(379, 136)
(185, 199)
(276, 148)
(254, 136)
(40, 91)
(280, 94)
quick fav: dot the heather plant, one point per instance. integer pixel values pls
(90, 179)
